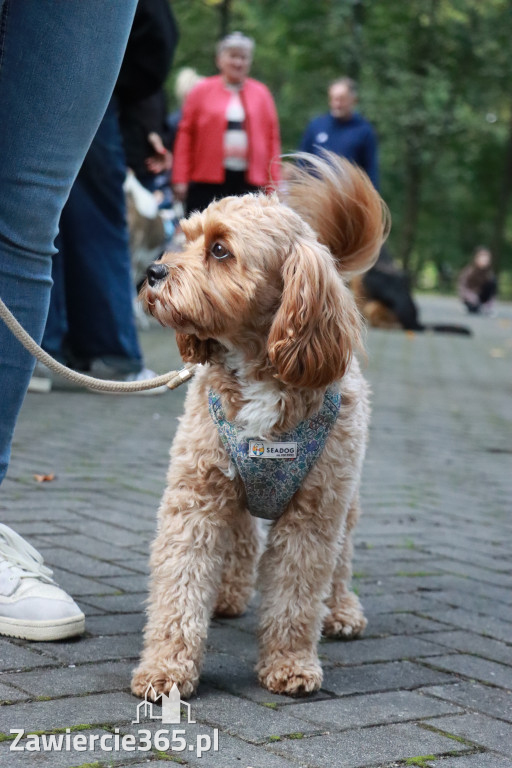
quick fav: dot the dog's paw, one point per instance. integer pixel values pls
(229, 606)
(233, 599)
(161, 678)
(294, 677)
(347, 620)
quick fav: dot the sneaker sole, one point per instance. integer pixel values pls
(43, 630)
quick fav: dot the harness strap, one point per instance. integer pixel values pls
(270, 483)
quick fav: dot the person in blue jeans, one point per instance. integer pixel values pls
(91, 324)
(58, 66)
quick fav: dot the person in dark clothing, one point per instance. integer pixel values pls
(477, 284)
(344, 131)
(147, 138)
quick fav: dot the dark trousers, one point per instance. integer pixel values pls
(201, 195)
(91, 311)
(486, 293)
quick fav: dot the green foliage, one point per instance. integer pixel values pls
(434, 79)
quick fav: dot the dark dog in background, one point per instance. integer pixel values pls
(383, 296)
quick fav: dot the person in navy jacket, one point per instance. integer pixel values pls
(344, 131)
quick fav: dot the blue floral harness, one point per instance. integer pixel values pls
(272, 472)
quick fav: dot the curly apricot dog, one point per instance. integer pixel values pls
(258, 297)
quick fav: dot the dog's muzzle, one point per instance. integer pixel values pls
(156, 272)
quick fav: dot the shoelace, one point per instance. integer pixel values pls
(18, 552)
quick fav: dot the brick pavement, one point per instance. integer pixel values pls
(429, 684)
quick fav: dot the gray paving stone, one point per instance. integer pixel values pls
(80, 564)
(373, 709)
(235, 753)
(481, 575)
(410, 602)
(379, 649)
(116, 624)
(483, 625)
(475, 603)
(476, 644)
(386, 676)
(13, 656)
(486, 562)
(366, 746)
(74, 680)
(79, 586)
(474, 667)
(130, 603)
(400, 624)
(491, 701)
(104, 550)
(30, 528)
(133, 583)
(478, 729)
(98, 649)
(7, 693)
(99, 709)
(104, 531)
(232, 752)
(250, 721)
(479, 760)
(474, 587)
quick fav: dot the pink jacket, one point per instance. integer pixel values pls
(198, 151)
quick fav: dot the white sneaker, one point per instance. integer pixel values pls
(32, 606)
(41, 380)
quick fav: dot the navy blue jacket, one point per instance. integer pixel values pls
(354, 139)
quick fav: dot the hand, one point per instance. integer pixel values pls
(180, 191)
(161, 161)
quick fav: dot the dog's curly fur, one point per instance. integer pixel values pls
(274, 325)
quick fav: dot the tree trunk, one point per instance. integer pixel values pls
(503, 204)
(413, 179)
(225, 17)
(354, 65)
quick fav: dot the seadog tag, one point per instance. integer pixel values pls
(264, 449)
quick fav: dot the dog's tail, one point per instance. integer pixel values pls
(340, 203)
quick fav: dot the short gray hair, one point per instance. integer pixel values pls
(347, 81)
(236, 40)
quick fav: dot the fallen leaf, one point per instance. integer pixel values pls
(44, 478)
(497, 352)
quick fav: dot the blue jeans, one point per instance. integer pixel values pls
(91, 305)
(58, 65)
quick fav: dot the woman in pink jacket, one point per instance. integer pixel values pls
(228, 138)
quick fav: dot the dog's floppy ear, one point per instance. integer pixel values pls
(317, 325)
(192, 349)
(341, 204)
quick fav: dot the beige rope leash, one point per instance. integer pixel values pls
(172, 379)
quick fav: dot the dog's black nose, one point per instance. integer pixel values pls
(155, 272)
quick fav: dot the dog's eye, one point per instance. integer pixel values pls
(219, 252)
